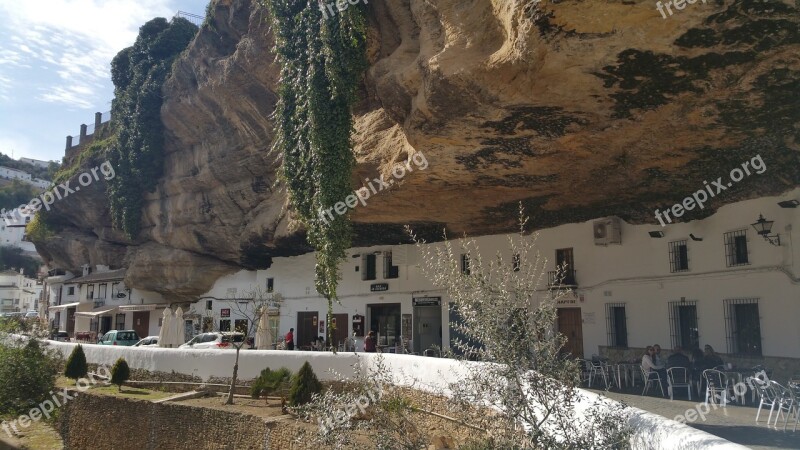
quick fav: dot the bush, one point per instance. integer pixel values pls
(304, 385)
(120, 373)
(76, 364)
(269, 382)
(27, 375)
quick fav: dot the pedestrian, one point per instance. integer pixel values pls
(290, 339)
(369, 342)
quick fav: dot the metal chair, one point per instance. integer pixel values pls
(587, 372)
(793, 389)
(784, 402)
(678, 377)
(716, 383)
(600, 369)
(767, 395)
(649, 378)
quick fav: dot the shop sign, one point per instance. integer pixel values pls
(225, 312)
(566, 301)
(379, 287)
(427, 301)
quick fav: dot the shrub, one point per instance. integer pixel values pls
(76, 364)
(270, 381)
(27, 375)
(120, 373)
(304, 385)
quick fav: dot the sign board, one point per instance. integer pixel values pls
(379, 287)
(566, 301)
(225, 312)
(426, 301)
(589, 318)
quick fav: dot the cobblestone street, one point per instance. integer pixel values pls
(734, 423)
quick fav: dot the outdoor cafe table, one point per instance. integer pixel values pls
(626, 369)
(740, 374)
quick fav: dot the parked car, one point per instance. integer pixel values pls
(149, 340)
(119, 337)
(215, 340)
(34, 314)
(61, 336)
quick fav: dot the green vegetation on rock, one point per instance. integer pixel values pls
(11, 258)
(138, 73)
(322, 61)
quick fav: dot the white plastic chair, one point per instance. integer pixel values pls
(716, 383)
(650, 378)
(678, 377)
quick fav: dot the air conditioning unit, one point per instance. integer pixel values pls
(607, 231)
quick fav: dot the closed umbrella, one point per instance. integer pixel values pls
(180, 335)
(263, 335)
(166, 328)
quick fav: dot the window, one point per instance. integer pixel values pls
(683, 324)
(103, 289)
(736, 248)
(209, 304)
(565, 258)
(678, 256)
(93, 325)
(114, 290)
(225, 325)
(120, 323)
(240, 325)
(270, 284)
(71, 290)
(743, 326)
(369, 263)
(617, 325)
(465, 269)
(515, 262)
(89, 291)
(389, 271)
(274, 324)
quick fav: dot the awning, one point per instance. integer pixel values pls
(97, 311)
(148, 307)
(64, 306)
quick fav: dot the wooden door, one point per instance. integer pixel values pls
(341, 330)
(141, 323)
(570, 325)
(306, 328)
(70, 321)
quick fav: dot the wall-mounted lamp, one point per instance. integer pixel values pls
(656, 234)
(764, 227)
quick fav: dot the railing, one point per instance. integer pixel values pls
(194, 18)
(561, 278)
(88, 130)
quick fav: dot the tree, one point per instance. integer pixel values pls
(11, 258)
(27, 376)
(270, 381)
(120, 373)
(76, 364)
(507, 320)
(304, 385)
(259, 304)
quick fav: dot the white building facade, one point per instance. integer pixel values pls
(18, 293)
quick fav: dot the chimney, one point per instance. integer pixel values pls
(87, 269)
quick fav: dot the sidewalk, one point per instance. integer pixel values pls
(734, 423)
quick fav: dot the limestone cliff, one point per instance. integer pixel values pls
(579, 109)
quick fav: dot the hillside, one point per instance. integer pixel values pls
(576, 109)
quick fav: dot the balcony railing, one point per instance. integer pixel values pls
(564, 278)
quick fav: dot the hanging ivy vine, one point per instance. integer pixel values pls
(322, 60)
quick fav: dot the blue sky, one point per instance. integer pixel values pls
(55, 58)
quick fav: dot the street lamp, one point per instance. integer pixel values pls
(764, 227)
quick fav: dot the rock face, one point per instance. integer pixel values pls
(577, 109)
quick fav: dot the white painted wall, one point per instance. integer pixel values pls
(431, 374)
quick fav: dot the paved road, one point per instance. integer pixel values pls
(734, 423)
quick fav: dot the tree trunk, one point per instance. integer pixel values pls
(229, 401)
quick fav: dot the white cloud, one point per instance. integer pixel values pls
(78, 37)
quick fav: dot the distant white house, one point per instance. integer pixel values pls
(36, 162)
(15, 174)
(12, 230)
(18, 293)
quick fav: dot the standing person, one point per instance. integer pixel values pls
(369, 342)
(290, 339)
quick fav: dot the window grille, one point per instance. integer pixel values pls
(683, 324)
(678, 256)
(617, 325)
(389, 269)
(743, 326)
(736, 248)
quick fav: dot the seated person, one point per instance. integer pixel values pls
(650, 368)
(712, 359)
(678, 359)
